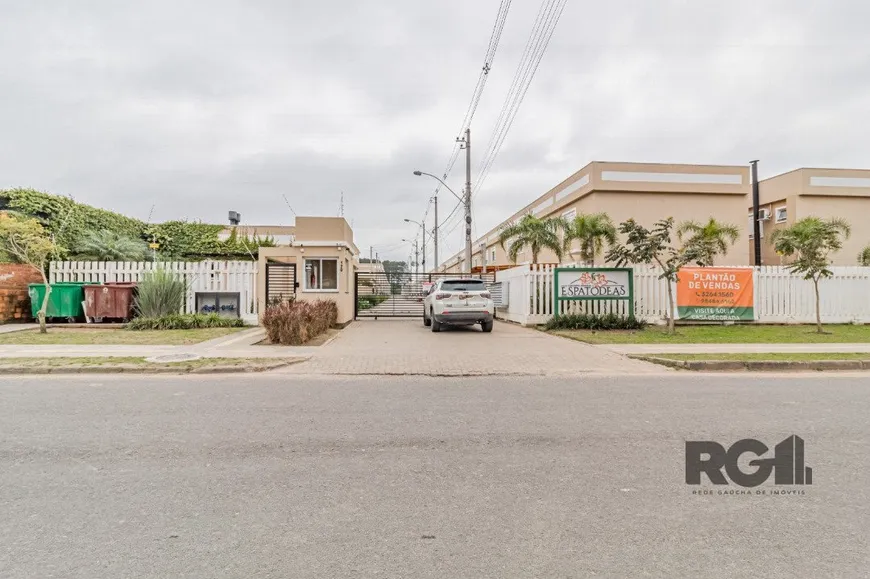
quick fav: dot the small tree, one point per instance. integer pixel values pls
(532, 232)
(25, 241)
(810, 241)
(864, 256)
(708, 239)
(654, 246)
(591, 230)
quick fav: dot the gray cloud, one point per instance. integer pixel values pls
(201, 107)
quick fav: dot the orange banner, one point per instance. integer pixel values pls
(715, 293)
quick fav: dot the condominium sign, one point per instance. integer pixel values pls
(715, 293)
(593, 283)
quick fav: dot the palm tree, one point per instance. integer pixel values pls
(110, 246)
(864, 256)
(809, 242)
(534, 233)
(591, 230)
(708, 239)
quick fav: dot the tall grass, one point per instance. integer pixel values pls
(295, 322)
(161, 293)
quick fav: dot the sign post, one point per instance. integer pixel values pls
(593, 284)
(715, 293)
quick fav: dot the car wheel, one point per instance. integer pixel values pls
(436, 325)
(486, 326)
(426, 321)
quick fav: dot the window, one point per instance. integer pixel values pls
(781, 214)
(321, 274)
(471, 285)
(492, 256)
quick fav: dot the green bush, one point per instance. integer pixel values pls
(609, 321)
(184, 322)
(368, 302)
(161, 293)
(295, 322)
(72, 222)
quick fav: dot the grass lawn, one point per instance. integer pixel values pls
(760, 357)
(839, 333)
(139, 363)
(85, 336)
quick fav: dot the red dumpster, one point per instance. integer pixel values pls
(109, 300)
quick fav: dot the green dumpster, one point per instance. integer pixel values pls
(65, 300)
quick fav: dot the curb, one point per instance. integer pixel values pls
(757, 365)
(13, 370)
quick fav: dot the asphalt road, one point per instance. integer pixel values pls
(110, 477)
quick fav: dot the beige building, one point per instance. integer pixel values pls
(824, 193)
(649, 192)
(319, 263)
(646, 192)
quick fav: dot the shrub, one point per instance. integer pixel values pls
(295, 322)
(160, 293)
(609, 321)
(184, 322)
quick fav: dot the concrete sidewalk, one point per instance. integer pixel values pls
(386, 347)
(735, 348)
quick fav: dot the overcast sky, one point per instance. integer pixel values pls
(200, 107)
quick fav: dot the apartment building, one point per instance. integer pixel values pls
(647, 192)
(824, 193)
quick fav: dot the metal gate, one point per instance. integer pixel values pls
(382, 294)
(280, 282)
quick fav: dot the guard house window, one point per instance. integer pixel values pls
(321, 275)
(781, 214)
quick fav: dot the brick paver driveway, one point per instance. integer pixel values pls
(406, 347)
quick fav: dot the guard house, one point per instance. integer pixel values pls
(318, 264)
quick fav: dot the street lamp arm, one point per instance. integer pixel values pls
(419, 173)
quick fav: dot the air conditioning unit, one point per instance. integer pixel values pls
(764, 214)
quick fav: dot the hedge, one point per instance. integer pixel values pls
(183, 240)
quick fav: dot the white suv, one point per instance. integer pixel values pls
(458, 302)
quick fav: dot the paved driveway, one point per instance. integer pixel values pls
(407, 347)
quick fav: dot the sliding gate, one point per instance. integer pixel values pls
(382, 294)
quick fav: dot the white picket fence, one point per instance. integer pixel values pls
(780, 296)
(200, 276)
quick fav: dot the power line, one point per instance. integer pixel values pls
(539, 39)
(489, 58)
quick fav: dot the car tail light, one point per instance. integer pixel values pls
(485, 295)
(442, 296)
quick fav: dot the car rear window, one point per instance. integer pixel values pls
(471, 285)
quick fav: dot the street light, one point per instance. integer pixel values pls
(465, 202)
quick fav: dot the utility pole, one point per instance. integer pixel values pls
(756, 212)
(371, 254)
(483, 255)
(437, 263)
(416, 257)
(424, 246)
(466, 144)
